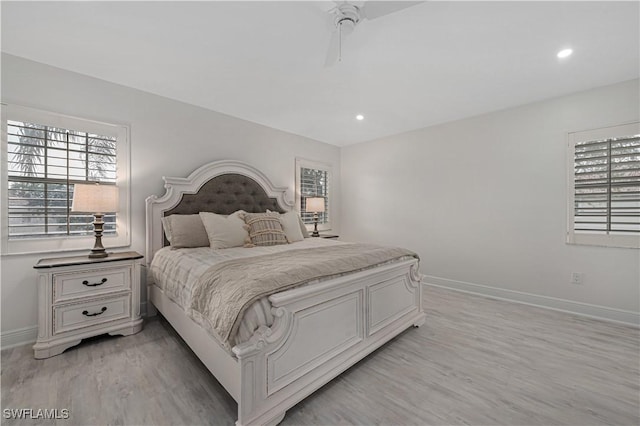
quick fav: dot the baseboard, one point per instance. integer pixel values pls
(556, 304)
(19, 337)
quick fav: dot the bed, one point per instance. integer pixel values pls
(318, 330)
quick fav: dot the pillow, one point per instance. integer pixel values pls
(264, 229)
(224, 231)
(303, 228)
(291, 226)
(287, 229)
(185, 230)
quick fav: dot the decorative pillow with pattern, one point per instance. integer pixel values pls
(264, 229)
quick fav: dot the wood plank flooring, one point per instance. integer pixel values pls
(479, 361)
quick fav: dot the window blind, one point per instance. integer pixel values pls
(44, 163)
(314, 183)
(607, 186)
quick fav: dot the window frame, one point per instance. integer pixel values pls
(594, 239)
(317, 165)
(122, 236)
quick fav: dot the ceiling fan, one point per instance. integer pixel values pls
(347, 15)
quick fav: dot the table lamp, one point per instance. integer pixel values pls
(315, 205)
(98, 200)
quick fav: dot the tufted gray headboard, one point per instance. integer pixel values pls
(226, 194)
(221, 187)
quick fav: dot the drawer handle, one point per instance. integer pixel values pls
(87, 314)
(85, 282)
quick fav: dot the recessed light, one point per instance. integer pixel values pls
(359, 117)
(565, 53)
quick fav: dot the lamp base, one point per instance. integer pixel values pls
(96, 254)
(315, 232)
(98, 251)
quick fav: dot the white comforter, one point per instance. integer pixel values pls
(176, 272)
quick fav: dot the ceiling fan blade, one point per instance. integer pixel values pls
(376, 9)
(334, 49)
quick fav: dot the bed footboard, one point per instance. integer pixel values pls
(319, 332)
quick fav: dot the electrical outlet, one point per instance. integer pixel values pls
(576, 278)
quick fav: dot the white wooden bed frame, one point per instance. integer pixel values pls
(283, 364)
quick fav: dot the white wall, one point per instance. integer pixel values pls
(167, 138)
(483, 202)
(453, 193)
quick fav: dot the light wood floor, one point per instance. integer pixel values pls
(481, 362)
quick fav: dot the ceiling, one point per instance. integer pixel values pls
(264, 61)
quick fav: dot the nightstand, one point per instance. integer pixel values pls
(329, 236)
(80, 297)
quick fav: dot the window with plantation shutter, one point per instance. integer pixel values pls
(44, 156)
(44, 164)
(313, 179)
(604, 187)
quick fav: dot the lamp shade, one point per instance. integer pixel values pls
(94, 198)
(315, 205)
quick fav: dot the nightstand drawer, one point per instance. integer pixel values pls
(94, 282)
(73, 316)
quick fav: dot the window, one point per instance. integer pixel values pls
(604, 187)
(43, 156)
(313, 179)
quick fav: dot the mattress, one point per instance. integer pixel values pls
(176, 271)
